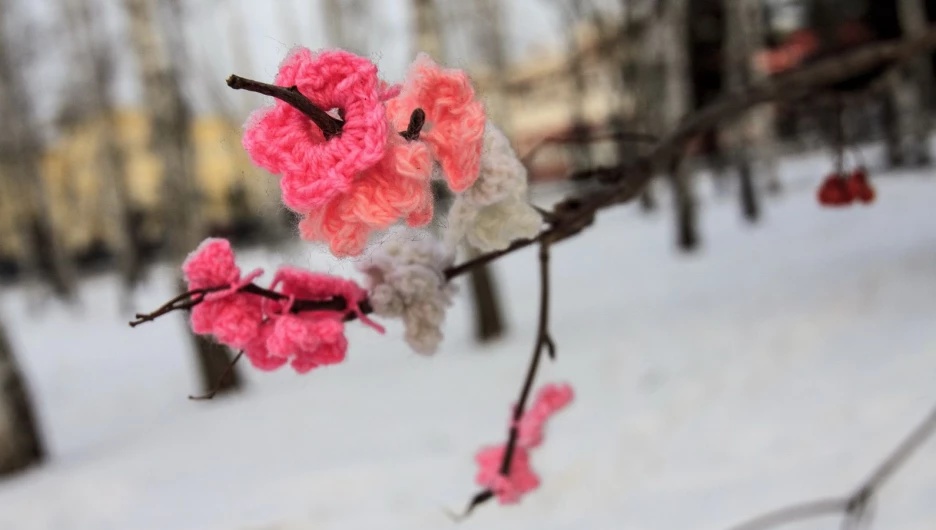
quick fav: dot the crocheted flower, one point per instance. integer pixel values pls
(211, 265)
(308, 341)
(284, 141)
(454, 127)
(519, 481)
(397, 187)
(551, 399)
(299, 283)
(520, 477)
(257, 351)
(265, 327)
(406, 279)
(494, 211)
(233, 317)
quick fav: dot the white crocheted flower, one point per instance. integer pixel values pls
(494, 211)
(407, 280)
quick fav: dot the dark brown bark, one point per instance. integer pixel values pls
(684, 207)
(488, 316)
(20, 440)
(750, 204)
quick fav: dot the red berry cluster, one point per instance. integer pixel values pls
(842, 189)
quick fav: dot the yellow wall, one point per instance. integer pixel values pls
(75, 185)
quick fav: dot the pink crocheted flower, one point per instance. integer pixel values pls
(230, 315)
(257, 352)
(309, 342)
(308, 285)
(211, 265)
(455, 119)
(519, 481)
(550, 399)
(284, 141)
(396, 188)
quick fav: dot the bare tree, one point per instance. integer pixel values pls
(20, 153)
(914, 22)
(743, 28)
(671, 42)
(158, 55)
(20, 442)
(93, 70)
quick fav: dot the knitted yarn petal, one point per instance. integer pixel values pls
(454, 118)
(211, 265)
(284, 141)
(520, 480)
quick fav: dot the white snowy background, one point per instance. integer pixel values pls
(777, 365)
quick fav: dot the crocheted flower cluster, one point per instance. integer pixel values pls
(367, 177)
(406, 279)
(521, 479)
(494, 211)
(267, 330)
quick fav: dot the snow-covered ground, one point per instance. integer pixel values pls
(776, 366)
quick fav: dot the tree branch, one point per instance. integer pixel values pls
(329, 125)
(626, 181)
(855, 506)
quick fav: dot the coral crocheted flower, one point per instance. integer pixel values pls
(397, 187)
(519, 481)
(455, 119)
(284, 141)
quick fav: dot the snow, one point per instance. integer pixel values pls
(778, 365)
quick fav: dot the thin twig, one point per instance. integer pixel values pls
(796, 512)
(224, 375)
(627, 136)
(416, 122)
(329, 125)
(855, 507)
(543, 343)
(901, 453)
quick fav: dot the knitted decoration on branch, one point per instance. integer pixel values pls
(262, 322)
(494, 211)
(520, 479)
(362, 180)
(406, 279)
(455, 118)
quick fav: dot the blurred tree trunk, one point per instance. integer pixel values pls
(893, 129)
(684, 205)
(21, 152)
(20, 441)
(672, 38)
(170, 120)
(918, 80)
(266, 192)
(581, 153)
(488, 319)
(347, 24)
(94, 69)
(426, 24)
(632, 106)
(738, 49)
